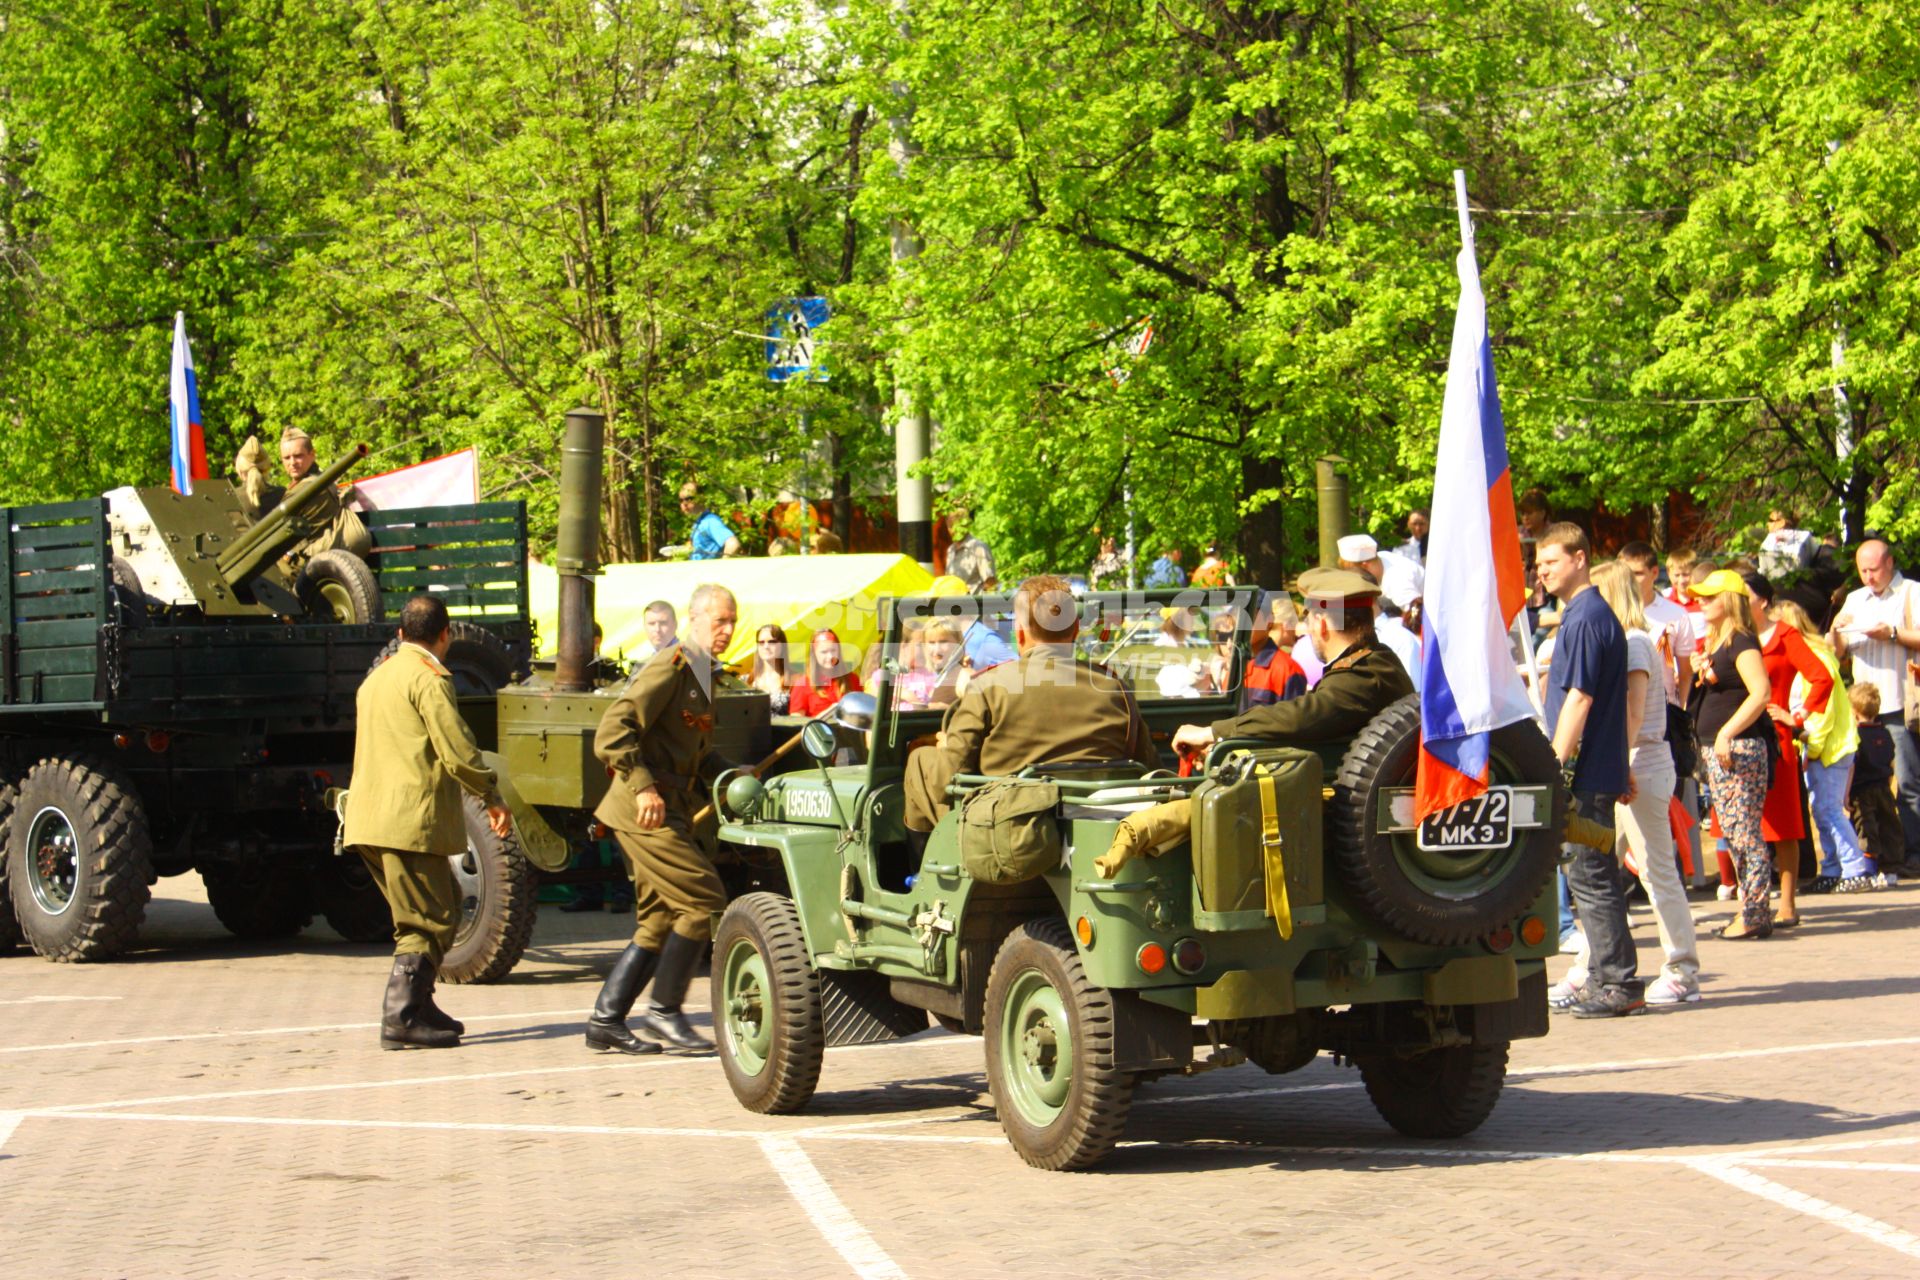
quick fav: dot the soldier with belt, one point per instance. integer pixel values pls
(1046, 707)
(1362, 677)
(657, 739)
(412, 756)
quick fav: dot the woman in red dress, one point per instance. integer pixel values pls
(827, 677)
(1785, 653)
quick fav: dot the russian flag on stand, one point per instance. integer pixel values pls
(1475, 580)
(189, 444)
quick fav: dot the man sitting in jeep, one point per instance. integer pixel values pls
(1362, 677)
(1047, 707)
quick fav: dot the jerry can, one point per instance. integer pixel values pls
(1252, 793)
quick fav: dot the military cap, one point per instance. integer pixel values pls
(1338, 593)
(1357, 548)
(294, 433)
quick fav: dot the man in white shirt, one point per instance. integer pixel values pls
(1670, 625)
(662, 628)
(1401, 580)
(1879, 627)
(1417, 525)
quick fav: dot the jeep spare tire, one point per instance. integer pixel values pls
(1440, 897)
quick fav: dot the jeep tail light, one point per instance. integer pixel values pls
(1533, 931)
(1500, 939)
(1152, 957)
(1189, 957)
(1083, 930)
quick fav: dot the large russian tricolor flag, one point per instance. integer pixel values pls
(1475, 581)
(189, 443)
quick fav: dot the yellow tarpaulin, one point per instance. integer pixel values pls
(803, 594)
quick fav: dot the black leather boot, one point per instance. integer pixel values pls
(661, 1019)
(401, 1023)
(607, 1028)
(431, 1014)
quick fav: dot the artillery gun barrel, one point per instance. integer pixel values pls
(270, 536)
(577, 554)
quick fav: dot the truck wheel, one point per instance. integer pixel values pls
(352, 903)
(498, 903)
(79, 859)
(766, 1005)
(337, 586)
(257, 900)
(1439, 898)
(1050, 1052)
(9, 927)
(479, 661)
(1441, 1093)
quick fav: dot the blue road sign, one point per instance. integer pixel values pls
(793, 351)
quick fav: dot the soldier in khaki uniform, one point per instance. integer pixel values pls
(657, 738)
(1046, 707)
(412, 756)
(1361, 680)
(340, 527)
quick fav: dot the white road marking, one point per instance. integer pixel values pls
(1729, 1171)
(9, 1121)
(452, 1126)
(1844, 1166)
(59, 999)
(829, 1213)
(268, 1031)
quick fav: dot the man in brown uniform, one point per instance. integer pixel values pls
(1047, 707)
(412, 756)
(1362, 677)
(339, 526)
(657, 738)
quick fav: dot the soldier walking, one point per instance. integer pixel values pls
(412, 756)
(657, 738)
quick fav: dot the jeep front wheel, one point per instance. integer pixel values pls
(1050, 1052)
(1439, 1093)
(766, 1005)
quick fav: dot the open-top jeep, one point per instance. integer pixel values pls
(1304, 910)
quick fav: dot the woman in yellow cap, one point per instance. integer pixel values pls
(1729, 705)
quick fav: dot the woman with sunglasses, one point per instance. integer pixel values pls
(769, 671)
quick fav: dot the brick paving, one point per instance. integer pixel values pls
(214, 1108)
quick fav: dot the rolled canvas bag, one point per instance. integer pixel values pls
(1009, 831)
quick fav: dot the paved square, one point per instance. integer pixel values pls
(208, 1107)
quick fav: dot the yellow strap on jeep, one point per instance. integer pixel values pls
(1276, 867)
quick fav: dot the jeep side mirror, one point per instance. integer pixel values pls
(855, 711)
(817, 740)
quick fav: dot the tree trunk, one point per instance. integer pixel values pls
(1262, 539)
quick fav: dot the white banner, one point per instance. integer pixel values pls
(453, 480)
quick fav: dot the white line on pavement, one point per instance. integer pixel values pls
(1730, 1172)
(59, 999)
(267, 1031)
(9, 1121)
(829, 1213)
(1844, 1166)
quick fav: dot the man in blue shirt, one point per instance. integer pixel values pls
(1166, 571)
(1586, 709)
(711, 537)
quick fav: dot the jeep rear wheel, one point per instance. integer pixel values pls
(766, 1005)
(1441, 1093)
(1050, 1052)
(1441, 898)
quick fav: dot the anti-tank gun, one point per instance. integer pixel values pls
(198, 554)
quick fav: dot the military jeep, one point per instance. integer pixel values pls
(1302, 911)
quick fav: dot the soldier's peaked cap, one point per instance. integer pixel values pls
(1330, 589)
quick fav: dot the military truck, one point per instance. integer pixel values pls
(1302, 911)
(196, 718)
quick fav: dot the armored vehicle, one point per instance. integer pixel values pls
(196, 718)
(1297, 909)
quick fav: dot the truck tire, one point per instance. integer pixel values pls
(1442, 899)
(479, 661)
(498, 903)
(10, 936)
(337, 586)
(352, 903)
(1440, 1093)
(1050, 1052)
(79, 859)
(129, 597)
(257, 900)
(766, 1005)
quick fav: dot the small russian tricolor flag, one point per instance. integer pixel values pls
(189, 443)
(1476, 584)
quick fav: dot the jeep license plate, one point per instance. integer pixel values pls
(1485, 822)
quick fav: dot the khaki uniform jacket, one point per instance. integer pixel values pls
(659, 733)
(1356, 686)
(412, 756)
(339, 525)
(1047, 707)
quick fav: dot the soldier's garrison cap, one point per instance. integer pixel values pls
(294, 433)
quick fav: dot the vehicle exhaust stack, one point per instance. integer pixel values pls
(1330, 480)
(578, 554)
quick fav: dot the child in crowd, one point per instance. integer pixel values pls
(1870, 799)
